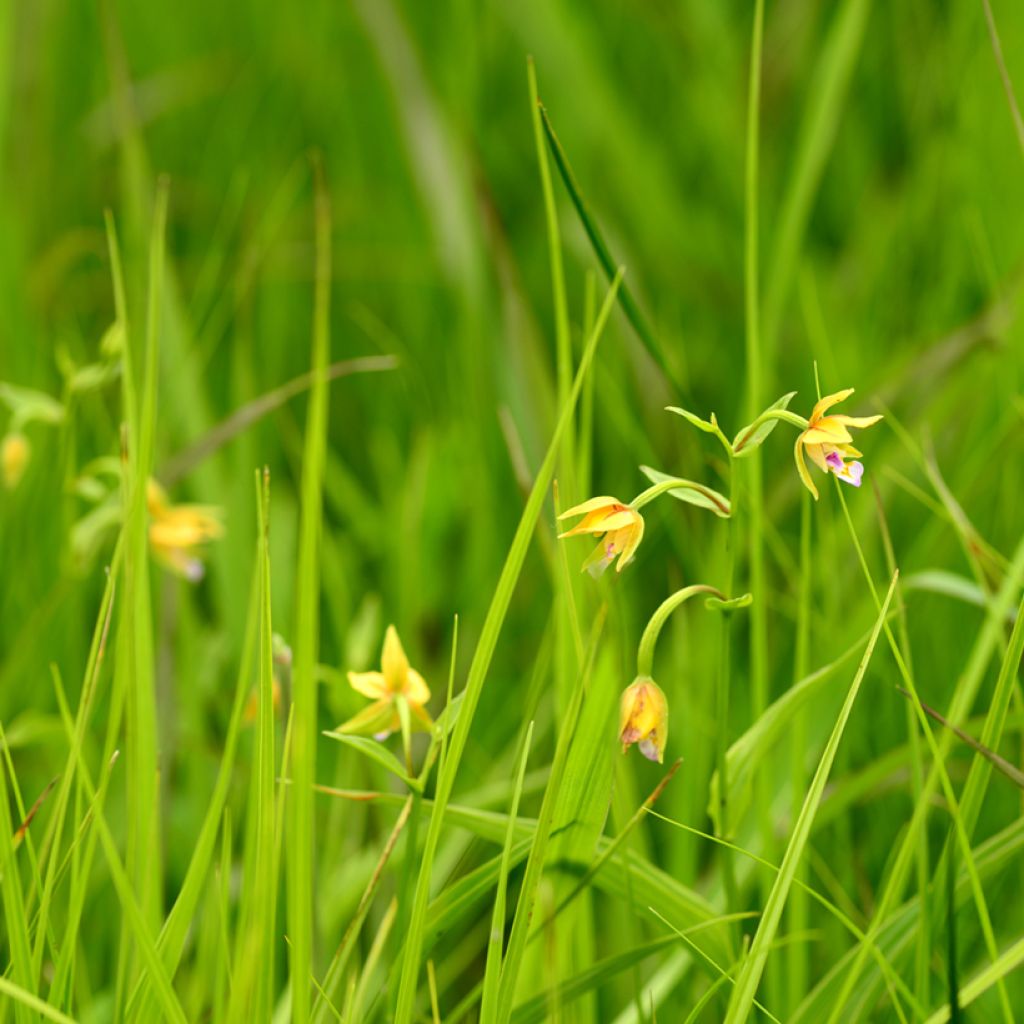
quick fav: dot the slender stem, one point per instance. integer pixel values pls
(798, 905)
(675, 484)
(782, 415)
(722, 710)
(755, 389)
(645, 652)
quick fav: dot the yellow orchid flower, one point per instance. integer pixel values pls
(177, 532)
(828, 442)
(14, 458)
(397, 678)
(620, 526)
(643, 718)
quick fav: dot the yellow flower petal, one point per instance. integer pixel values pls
(856, 421)
(416, 691)
(393, 662)
(589, 506)
(828, 401)
(801, 466)
(817, 454)
(602, 524)
(631, 542)
(369, 684)
(827, 431)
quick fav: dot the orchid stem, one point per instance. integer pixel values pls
(645, 652)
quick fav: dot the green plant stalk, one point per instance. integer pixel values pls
(136, 922)
(143, 842)
(937, 776)
(675, 484)
(301, 820)
(798, 909)
(478, 673)
(722, 704)
(755, 471)
(542, 834)
(492, 968)
(922, 953)
(649, 639)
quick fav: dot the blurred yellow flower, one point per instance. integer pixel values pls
(643, 718)
(397, 678)
(14, 457)
(827, 441)
(177, 532)
(620, 526)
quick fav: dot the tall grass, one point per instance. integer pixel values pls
(426, 341)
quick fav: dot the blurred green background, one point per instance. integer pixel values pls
(890, 199)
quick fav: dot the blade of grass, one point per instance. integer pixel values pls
(135, 627)
(14, 906)
(542, 834)
(27, 1001)
(301, 821)
(478, 671)
(175, 930)
(134, 916)
(630, 307)
(495, 944)
(753, 964)
(253, 963)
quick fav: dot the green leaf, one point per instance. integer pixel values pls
(30, 406)
(376, 752)
(708, 426)
(699, 495)
(753, 435)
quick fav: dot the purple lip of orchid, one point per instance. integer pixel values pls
(856, 472)
(835, 460)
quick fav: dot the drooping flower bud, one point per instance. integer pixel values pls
(643, 718)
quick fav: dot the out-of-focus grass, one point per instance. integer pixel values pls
(175, 879)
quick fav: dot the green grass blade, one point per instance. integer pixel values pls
(478, 670)
(301, 824)
(134, 917)
(753, 964)
(630, 307)
(495, 943)
(173, 934)
(542, 833)
(14, 905)
(27, 1001)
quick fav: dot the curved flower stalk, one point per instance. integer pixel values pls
(643, 707)
(396, 681)
(828, 442)
(178, 533)
(620, 525)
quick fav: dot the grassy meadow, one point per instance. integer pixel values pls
(316, 317)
